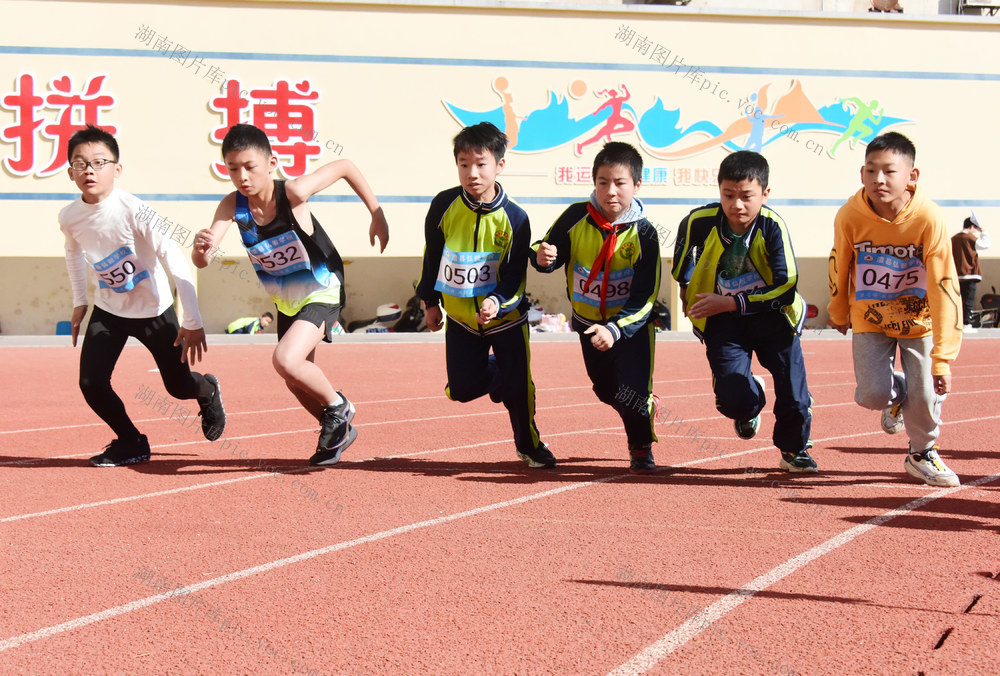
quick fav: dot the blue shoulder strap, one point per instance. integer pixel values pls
(243, 217)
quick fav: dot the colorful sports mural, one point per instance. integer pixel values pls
(764, 117)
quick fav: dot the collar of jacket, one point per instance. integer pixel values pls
(486, 207)
(724, 229)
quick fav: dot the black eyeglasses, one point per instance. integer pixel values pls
(80, 165)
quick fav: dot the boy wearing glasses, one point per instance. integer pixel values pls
(129, 259)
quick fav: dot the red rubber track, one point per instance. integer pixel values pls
(432, 549)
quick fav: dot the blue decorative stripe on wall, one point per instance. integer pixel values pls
(426, 199)
(502, 63)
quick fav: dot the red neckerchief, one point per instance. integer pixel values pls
(604, 256)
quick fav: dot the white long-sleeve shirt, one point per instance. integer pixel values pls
(129, 259)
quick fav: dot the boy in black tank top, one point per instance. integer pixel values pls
(297, 265)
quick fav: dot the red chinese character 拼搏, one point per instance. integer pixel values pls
(23, 103)
(74, 111)
(284, 112)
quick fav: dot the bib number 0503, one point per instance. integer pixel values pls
(456, 274)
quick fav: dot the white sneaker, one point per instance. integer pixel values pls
(892, 419)
(929, 468)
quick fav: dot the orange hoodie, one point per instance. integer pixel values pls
(896, 277)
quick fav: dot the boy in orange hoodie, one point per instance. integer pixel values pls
(892, 280)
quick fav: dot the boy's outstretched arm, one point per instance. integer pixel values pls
(299, 190)
(206, 241)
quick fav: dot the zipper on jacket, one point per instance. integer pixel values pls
(475, 248)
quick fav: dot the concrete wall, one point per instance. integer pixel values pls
(391, 84)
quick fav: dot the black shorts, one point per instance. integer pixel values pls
(316, 314)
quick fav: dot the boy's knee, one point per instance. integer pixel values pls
(606, 396)
(461, 393)
(86, 385)
(281, 363)
(874, 399)
(90, 385)
(735, 399)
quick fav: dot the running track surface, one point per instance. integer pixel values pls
(432, 549)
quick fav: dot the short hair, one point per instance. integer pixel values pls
(969, 223)
(615, 153)
(479, 137)
(268, 315)
(745, 165)
(894, 142)
(245, 137)
(92, 134)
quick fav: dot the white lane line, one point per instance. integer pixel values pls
(313, 429)
(30, 461)
(386, 401)
(32, 430)
(765, 374)
(639, 664)
(299, 408)
(182, 489)
(682, 635)
(648, 657)
(144, 420)
(266, 474)
(79, 622)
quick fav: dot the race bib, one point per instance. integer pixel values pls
(619, 286)
(280, 255)
(747, 282)
(120, 271)
(467, 274)
(879, 276)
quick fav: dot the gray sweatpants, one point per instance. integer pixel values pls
(880, 386)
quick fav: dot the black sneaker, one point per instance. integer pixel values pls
(119, 453)
(540, 457)
(798, 462)
(336, 432)
(213, 415)
(747, 429)
(642, 460)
